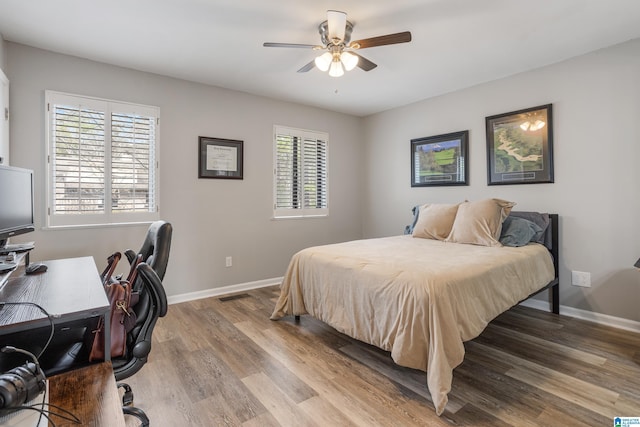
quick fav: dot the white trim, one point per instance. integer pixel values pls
(599, 318)
(224, 290)
(303, 133)
(5, 149)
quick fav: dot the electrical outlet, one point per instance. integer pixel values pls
(581, 278)
(228, 261)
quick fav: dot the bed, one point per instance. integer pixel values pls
(422, 298)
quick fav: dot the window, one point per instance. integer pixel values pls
(102, 161)
(300, 173)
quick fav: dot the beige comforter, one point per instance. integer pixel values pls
(420, 299)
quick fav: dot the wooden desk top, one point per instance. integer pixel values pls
(18, 260)
(70, 289)
(90, 393)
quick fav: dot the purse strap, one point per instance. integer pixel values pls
(112, 263)
(133, 272)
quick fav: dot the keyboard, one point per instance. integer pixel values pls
(7, 266)
(17, 247)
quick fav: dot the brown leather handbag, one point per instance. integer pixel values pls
(123, 318)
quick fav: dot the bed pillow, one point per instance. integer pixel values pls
(519, 232)
(541, 220)
(480, 222)
(435, 221)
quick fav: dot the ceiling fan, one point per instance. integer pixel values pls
(340, 55)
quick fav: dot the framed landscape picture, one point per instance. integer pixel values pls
(440, 160)
(520, 147)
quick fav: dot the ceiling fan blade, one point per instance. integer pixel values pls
(304, 46)
(364, 63)
(336, 23)
(396, 38)
(307, 67)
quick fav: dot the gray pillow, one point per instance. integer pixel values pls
(542, 220)
(519, 232)
(416, 212)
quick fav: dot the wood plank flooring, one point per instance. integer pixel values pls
(222, 362)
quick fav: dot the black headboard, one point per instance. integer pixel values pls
(549, 222)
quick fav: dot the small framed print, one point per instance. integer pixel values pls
(520, 147)
(219, 158)
(440, 160)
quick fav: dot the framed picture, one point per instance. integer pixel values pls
(219, 158)
(520, 147)
(440, 160)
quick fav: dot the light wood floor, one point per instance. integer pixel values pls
(224, 363)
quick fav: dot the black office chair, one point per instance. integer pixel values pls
(151, 305)
(155, 248)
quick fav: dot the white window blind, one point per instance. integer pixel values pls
(102, 161)
(132, 154)
(300, 173)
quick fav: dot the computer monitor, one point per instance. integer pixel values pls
(16, 202)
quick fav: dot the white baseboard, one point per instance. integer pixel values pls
(603, 319)
(224, 290)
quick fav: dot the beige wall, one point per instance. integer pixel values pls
(596, 99)
(212, 218)
(596, 111)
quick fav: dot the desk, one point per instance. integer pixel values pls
(70, 290)
(90, 393)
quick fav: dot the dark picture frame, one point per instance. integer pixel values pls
(440, 160)
(220, 158)
(520, 146)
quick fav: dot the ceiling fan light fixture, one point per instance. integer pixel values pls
(349, 60)
(336, 70)
(323, 62)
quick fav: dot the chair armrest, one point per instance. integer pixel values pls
(154, 286)
(131, 255)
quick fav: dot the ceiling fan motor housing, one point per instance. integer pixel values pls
(323, 29)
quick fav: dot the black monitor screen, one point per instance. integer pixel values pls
(16, 202)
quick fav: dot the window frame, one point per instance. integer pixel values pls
(109, 108)
(301, 212)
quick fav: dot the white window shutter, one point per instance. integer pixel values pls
(132, 169)
(102, 161)
(79, 159)
(300, 173)
(315, 174)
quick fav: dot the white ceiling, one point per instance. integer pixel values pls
(456, 43)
